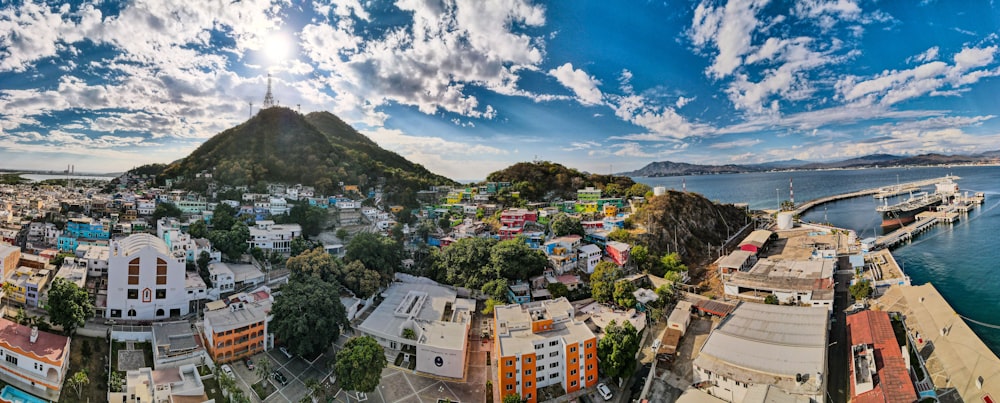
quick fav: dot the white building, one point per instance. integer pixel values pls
(440, 341)
(94, 258)
(145, 280)
(222, 277)
(278, 206)
(791, 281)
(34, 361)
(589, 257)
(269, 236)
(145, 207)
(766, 350)
(180, 384)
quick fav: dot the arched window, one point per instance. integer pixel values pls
(133, 271)
(131, 312)
(161, 271)
(159, 312)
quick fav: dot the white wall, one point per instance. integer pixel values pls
(452, 361)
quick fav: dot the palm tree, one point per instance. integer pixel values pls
(78, 381)
(263, 368)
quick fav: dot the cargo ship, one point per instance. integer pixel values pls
(898, 215)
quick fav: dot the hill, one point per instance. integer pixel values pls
(283, 146)
(669, 168)
(688, 223)
(544, 180)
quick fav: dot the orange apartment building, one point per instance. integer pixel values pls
(239, 329)
(540, 344)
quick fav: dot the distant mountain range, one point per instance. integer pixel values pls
(669, 168)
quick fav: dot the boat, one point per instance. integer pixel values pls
(900, 214)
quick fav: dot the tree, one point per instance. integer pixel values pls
(204, 258)
(409, 334)
(620, 235)
(623, 294)
(226, 382)
(512, 398)
(466, 262)
(223, 217)
(490, 304)
(557, 290)
(602, 281)
(671, 262)
(375, 252)
(860, 290)
(616, 350)
(359, 365)
(263, 367)
(166, 209)
(316, 263)
(69, 305)
(198, 229)
(562, 224)
(310, 218)
(116, 382)
(308, 316)
(638, 190)
(771, 299)
(496, 289)
(78, 381)
(515, 260)
(300, 245)
(342, 234)
(639, 255)
(664, 294)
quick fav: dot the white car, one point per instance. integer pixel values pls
(656, 345)
(604, 391)
(857, 307)
(285, 351)
(226, 369)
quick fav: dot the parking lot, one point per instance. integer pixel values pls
(295, 369)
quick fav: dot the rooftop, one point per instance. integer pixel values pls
(437, 310)
(235, 317)
(515, 325)
(136, 242)
(874, 330)
(770, 344)
(757, 238)
(48, 346)
(787, 275)
(174, 337)
(735, 260)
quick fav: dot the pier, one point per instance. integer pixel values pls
(945, 214)
(873, 191)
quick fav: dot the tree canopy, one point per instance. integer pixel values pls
(623, 294)
(233, 242)
(69, 306)
(375, 252)
(513, 259)
(563, 224)
(602, 281)
(466, 262)
(318, 264)
(312, 219)
(359, 365)
(166, 209)
(308, 316)
(617, 349)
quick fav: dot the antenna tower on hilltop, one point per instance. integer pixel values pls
(268, 98)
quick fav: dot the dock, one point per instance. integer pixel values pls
(867, 192)
(946, 214)
(897, 190)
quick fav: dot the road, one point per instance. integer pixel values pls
(837, 361)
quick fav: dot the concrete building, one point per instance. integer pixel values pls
(618, 252)
(541, 344)
(10, 257)
(26, 284)
(589, 257)
(762, 350)
(756, 241)
(175, 344)
(439, 322)
(879, 371)
(238, 328)
(33, 361)
(269, 236)
(222, 277)
(145, 281)
(808, 282)
(680, 317)
(739, 260)
(172, 385)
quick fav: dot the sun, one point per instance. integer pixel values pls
(276, 47)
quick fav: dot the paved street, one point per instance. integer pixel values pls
(837, 352)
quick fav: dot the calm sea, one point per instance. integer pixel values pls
(962, 259)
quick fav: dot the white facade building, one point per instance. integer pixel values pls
(269, 236)
(222, 277)
(145, 280)
(278, 206)
(145, 207)
(589, 257)
(34, 361)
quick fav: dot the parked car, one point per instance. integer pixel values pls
(279, 377)
(285, 351)
(857, 307)
(656, 345)
(226, 369)
(249, 364)
(604, 391)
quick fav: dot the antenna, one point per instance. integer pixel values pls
(299, 107)
(268, 98)
(251, 109)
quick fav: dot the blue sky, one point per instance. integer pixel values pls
(467, 87)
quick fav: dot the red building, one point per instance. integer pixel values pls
(756, 241)
(515, 218)
(618, 252)
(878, 370)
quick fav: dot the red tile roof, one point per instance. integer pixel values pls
(894, 385)
(49, 347)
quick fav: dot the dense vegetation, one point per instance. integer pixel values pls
(280, 145)
(688, 224)
(544, 180)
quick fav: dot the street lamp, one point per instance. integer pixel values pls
(777, 199)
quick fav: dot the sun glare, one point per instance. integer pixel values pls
(276, 48)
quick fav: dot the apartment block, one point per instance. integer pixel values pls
(540, 344)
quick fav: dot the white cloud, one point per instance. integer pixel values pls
(894, 86)
(728, 29)
(928, 55)
(581, 145)
(681, 101)
(450, 158)
(742, 143)
(578, 81)
(631, 150)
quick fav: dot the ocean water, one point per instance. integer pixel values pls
(961, 259)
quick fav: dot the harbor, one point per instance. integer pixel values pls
(804, 207)
(946, 214)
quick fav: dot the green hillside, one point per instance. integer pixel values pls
(544, 180)
(281, 145)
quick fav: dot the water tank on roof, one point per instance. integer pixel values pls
(785, 220)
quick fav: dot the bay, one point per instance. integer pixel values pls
(962, 260)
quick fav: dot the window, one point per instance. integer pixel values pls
(11, 359)
(133, 293)
(116, 313)
(573, 361)
(527, 372)
(590, 367)
(510, 374)
(572, 349)
(161, 293)
(539, 346)
(573, 383)
(529, 394)
(510, 387)
(527, 359)
(590, 378)
(553, 354)
(572, 372)
(510, 362)
(553, 376)
(133, 271)
(590, 355)
(553, 365)
(528, 385)
(590, 345)
(131, 312)
(161, 271)
(554, 343)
